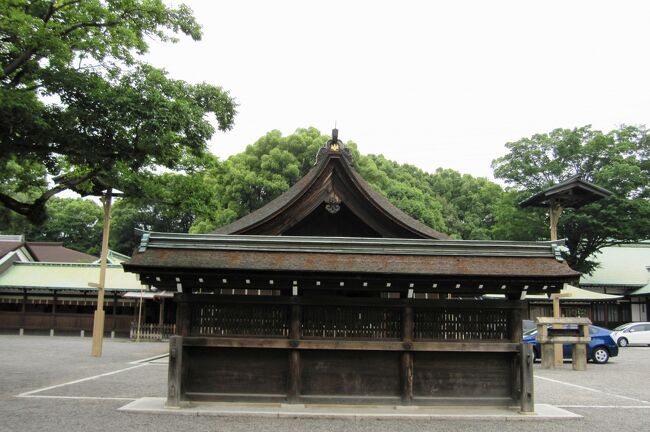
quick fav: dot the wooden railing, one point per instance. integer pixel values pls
(349, 318)
(152, 331)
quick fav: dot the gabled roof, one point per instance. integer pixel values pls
(56, 252)
(643, 291)
(42, 251)
(331, 193)
(622, 265)
(576, 294)
(574, 192)
(30, 275)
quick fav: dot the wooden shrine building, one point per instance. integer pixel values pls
(330, 294)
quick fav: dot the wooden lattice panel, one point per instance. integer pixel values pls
(460, 324)
(351, 322)
(239, 320)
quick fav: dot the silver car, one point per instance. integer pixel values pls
(632, 334)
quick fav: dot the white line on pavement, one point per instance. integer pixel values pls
(78, 397)
(149, 359)
(606, 406)
(591, 389)
(79, 380)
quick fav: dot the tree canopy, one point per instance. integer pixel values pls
(79, 108)
(618, 161)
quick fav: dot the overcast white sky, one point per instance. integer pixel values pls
(434, 85)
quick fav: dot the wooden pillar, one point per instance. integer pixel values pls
(53, 316)
(293, 381)
(98, 319)
(579, 357)
(176, 372)
(407, 356)
(548, 360)
(161, 312)
(527, 402)
(183, 319)
(114, 326)
(558, 351)
(516, 316)
(554, 213)
(23, 310)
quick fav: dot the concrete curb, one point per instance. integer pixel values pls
(543, 412)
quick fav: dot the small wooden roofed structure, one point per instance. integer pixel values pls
(331, 294)
(574, 192)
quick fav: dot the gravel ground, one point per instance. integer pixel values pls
(611, 397)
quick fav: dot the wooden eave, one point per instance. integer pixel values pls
(165, 260)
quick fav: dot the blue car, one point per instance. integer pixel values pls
(600, 349)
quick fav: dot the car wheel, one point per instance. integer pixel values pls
(600, 355)
(622, 342)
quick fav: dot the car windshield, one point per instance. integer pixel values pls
(623, 326)
(530, 332)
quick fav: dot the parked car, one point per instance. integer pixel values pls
(632, 333)
(599, 350)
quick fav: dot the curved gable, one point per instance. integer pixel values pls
(331, 200)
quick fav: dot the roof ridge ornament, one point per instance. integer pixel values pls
(334, 145)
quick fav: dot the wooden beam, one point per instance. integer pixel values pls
(305, 344)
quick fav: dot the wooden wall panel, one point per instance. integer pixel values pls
(350, 373)
(236, 371)
(462, 374)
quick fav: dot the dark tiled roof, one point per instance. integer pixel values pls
(56, 252)
(9, 246)
(362, 256)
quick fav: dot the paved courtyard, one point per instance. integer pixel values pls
(53, 384)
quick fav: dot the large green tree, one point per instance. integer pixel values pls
(618, 160)
(75, 222)
(79, 110)
(460, 205)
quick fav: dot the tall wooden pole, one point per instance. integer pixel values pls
(98, 322)
(555, 211)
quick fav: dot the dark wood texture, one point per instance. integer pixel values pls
(352, 350)
(527, 398)
(294, 379)
(231, 371)
(350, 373)
(175, 392)
(478, 375)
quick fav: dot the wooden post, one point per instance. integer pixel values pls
(175, 372)
(161, 312)
(114, 326)
(53, 317)
(516, 318)
(183, 319)
(23, 310)
(293, 391)
(527, 403)
(579, 357)
(293, 381)
(558, 356)
(554, 213)
(407, 356)
(98, 321)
